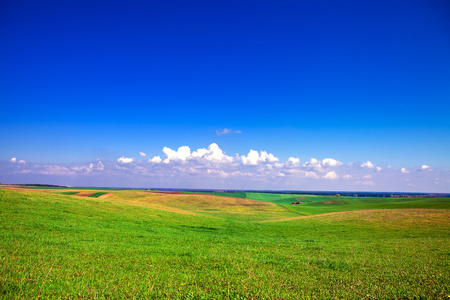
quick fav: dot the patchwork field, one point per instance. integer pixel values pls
(115, 244)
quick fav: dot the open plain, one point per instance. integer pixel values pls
(68, 243)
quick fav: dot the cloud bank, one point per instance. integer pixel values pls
(212, 168)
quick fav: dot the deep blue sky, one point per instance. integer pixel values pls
(352, 80)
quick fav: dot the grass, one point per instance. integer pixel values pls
(69, 193)
(139, 244)
(98, 194)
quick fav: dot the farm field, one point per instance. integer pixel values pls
(116, 244)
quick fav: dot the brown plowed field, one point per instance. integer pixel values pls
(84, 194)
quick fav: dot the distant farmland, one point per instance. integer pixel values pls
(114, 244)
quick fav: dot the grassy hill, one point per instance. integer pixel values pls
(66, 243)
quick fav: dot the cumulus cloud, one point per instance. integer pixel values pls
(227, 131)
(211, 167)
(180, 155)
(323, 165)
(14, 160)
(97, 165)
(293, 162)
(329, 162)
(425, 168)
(56, 170)
(331, 175)
(311, 174)
(211, 155)
(155, 159)
(313, 163)
(368, 164)
(142, 154)
(220, 173)
(125, 160)
(253, 158)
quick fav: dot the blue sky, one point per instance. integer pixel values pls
(350, 81)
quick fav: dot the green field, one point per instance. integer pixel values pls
(142, 244)
(96, 195)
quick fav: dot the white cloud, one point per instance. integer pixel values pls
(331, 175)
(268, 157)
(155, 159)
(212, 154)
(378, 169)
(125, 160)
(211, 167)
(425, 168)
(227, 131)
(367, 164)
(181, 154)
(329, 162)
(311, 174)
(142, 154)
(314, 163)
(293, 161)
(97, 165)
(14, 160)
(220, 173)
(55, 170)
(253, 158)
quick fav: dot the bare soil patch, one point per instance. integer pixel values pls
(84, 194)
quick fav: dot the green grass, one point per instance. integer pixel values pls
(270, 197)
(313, 204)
(241, 195)
(98, 194)
(64, 188)
(69, 193)
(42, 187)
(138, 244)
(325, 204)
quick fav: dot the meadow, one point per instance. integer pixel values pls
(116, 244)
